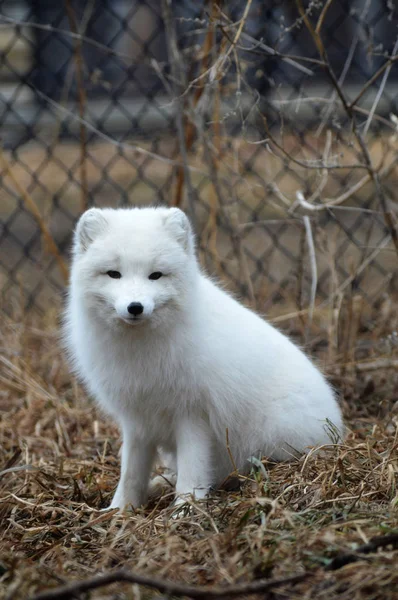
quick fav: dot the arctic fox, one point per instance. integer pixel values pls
(178, 362)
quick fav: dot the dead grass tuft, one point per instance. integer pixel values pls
(59, 465)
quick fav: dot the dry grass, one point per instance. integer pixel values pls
(59, 464)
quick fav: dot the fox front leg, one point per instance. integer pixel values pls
(194, 466)
(138, 456)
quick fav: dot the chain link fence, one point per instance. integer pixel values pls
(274, 124)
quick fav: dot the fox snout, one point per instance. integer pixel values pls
(134, 309)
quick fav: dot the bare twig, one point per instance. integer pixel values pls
(18, 469)
(346, 67)
(169, 588)
(321, 163)
(267, 222)
(300, 277)
(375, 543)
(300, 200)
(389, 217)
(380, 90)
(361, 267)
(324, 178)
(335, 202)
(238, 32)
(5, 20)
(323, 15)
(237, 241)
(189, 125)
(78, 58)
(314, 272)
(289, 59)
(179, 83)
(319, 99)
(372, 79)
(228, 446)
(215, 196)
(376, 364)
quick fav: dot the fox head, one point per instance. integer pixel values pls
(133, 266)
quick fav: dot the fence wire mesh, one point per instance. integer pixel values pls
(273, 124)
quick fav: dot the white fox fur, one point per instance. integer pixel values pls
(193, 365)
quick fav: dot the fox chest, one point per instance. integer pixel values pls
(144, 381)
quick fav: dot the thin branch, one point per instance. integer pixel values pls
(74, 36)
(300, 277)
(238, 32)
(169, 588)
(212, 157)
(380, 91)
(308, 24)
(214, 70)
(20, 468)
(78, 58)
(243, 266)
(323, 15)
(274, 53)
(376, 364)
(371, 81)
(190, 125)
(389, 217)
(334, 202)
(375, 543)
(346, 67)
(329, 203)
(318, 99)
(178, 77)
(231, 457)
(325, 174)
(289, 59)
(266, 223)
(314, 272)
(365, 263)
(321, 164)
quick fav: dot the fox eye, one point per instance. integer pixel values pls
(155, 275)
(114, 274)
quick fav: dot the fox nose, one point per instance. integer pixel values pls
(135, 308)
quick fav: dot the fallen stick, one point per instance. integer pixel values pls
(375, 543)
(170, 588)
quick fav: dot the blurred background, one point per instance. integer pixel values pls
(243, 125)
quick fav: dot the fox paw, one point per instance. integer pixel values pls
(161, 485)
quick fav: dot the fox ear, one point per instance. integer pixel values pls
(178, 224)
(91, 224)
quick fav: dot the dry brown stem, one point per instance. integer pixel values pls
(79, 65)
(167, 587)
(179, 83)
(189, 124)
